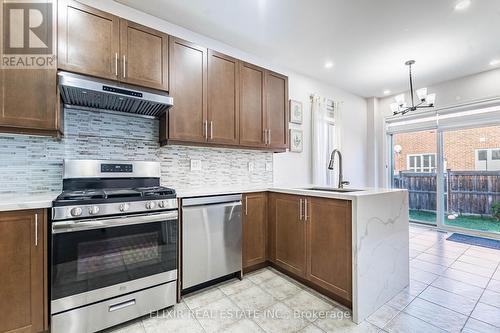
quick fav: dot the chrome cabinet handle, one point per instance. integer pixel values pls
(122, 305)
(124, 67)
(300, 209)
(116, 64)
(246, 205)
(269, 137)
(205, 129)
(211, 130)
(36, 229)
(305, 210)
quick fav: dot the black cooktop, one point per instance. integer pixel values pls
(105, 195)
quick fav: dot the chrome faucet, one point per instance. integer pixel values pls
(342, 182)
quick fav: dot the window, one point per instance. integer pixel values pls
(495, 154)
(482, 155)
(487, 159)
(421, 162)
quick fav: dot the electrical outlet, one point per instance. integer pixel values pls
(269, 166)
(195, 165)
(251, 166)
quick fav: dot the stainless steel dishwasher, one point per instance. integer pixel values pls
(211, 238)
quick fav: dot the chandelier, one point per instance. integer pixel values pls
(424, 100)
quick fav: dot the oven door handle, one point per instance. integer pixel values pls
(71, 226)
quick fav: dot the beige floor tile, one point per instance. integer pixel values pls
(235, 286)
(494, 285)
(427, 266)
(404, 323)
(416, 287)
(415, 253)
(478, 261)
(419, 247)
(382, 316)
(401, 300)
(332, 325)
(308, 305)
(253, 299)
(311, 329)
(437, 315)
(474, 269)
(457, 287)
(261, 275)
(243, 326)
(203, 298)
(479, 253)
(449, 300)
(496, 276)
(422, 276)
(476, 280)
(487, 313)
(177, 320)
(218, 315)
(279, 318)
(476, 326)
(451, 254)
(133, 326)
(443, 261)
(280, 288)
(491, 297)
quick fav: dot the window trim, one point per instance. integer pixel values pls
(421, 168)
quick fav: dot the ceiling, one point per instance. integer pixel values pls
(368, 41)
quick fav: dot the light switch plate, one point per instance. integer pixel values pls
(195, 165)
(251, 166)
(269, 166)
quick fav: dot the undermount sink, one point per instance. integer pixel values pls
(331, 189)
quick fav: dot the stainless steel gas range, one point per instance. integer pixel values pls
(113, 245)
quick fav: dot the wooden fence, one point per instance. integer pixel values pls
(466, 192)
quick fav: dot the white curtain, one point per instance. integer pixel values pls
(325, 138)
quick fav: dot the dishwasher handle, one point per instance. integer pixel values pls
(220, 199)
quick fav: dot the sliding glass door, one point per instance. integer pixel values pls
(452, 176)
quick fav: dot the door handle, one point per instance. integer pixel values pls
(122, 305)
(116, 64)
(36, 229)
(300, 209)
(124, 67)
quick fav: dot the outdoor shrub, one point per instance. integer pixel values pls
(495, 210)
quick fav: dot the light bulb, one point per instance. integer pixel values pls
(422, 94)
(400, 99)
(431, 99)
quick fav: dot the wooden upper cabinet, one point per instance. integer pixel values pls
(89, 40)
(252, 105)
(329, 245)
(188, 87)
(144, 56)
(254, 229)
(23, 303)
(277, 110)
(29, 102)
(223, 98)
(287, 233)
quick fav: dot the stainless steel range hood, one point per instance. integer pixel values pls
(79, 90)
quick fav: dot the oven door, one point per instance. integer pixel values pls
(93, 260)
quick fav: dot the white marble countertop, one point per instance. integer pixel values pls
(18, 202)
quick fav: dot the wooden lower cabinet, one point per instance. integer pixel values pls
(23, 277)
(287, 233)
(254, 229)
(329, 245)
(310, 238)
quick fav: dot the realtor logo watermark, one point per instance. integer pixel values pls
(28, 35)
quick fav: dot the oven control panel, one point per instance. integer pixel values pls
(113, 167)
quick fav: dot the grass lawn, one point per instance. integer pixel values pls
(468, 222)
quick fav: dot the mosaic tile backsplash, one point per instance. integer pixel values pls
(32, 165)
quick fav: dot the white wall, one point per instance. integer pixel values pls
(469, 88)
(289, 168)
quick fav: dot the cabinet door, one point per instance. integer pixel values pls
(22, 279)
(88, 40)
(252, 106)
(329, 245)
(277, 110)
(188, 87)
(223, 98)
(144, 56)
(288, 233)
(254, 229)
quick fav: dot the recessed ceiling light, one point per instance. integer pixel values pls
(462, 4)
(495, 62)
(387, 92)
(329, 64)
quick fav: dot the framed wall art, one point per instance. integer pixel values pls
(296, 112)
